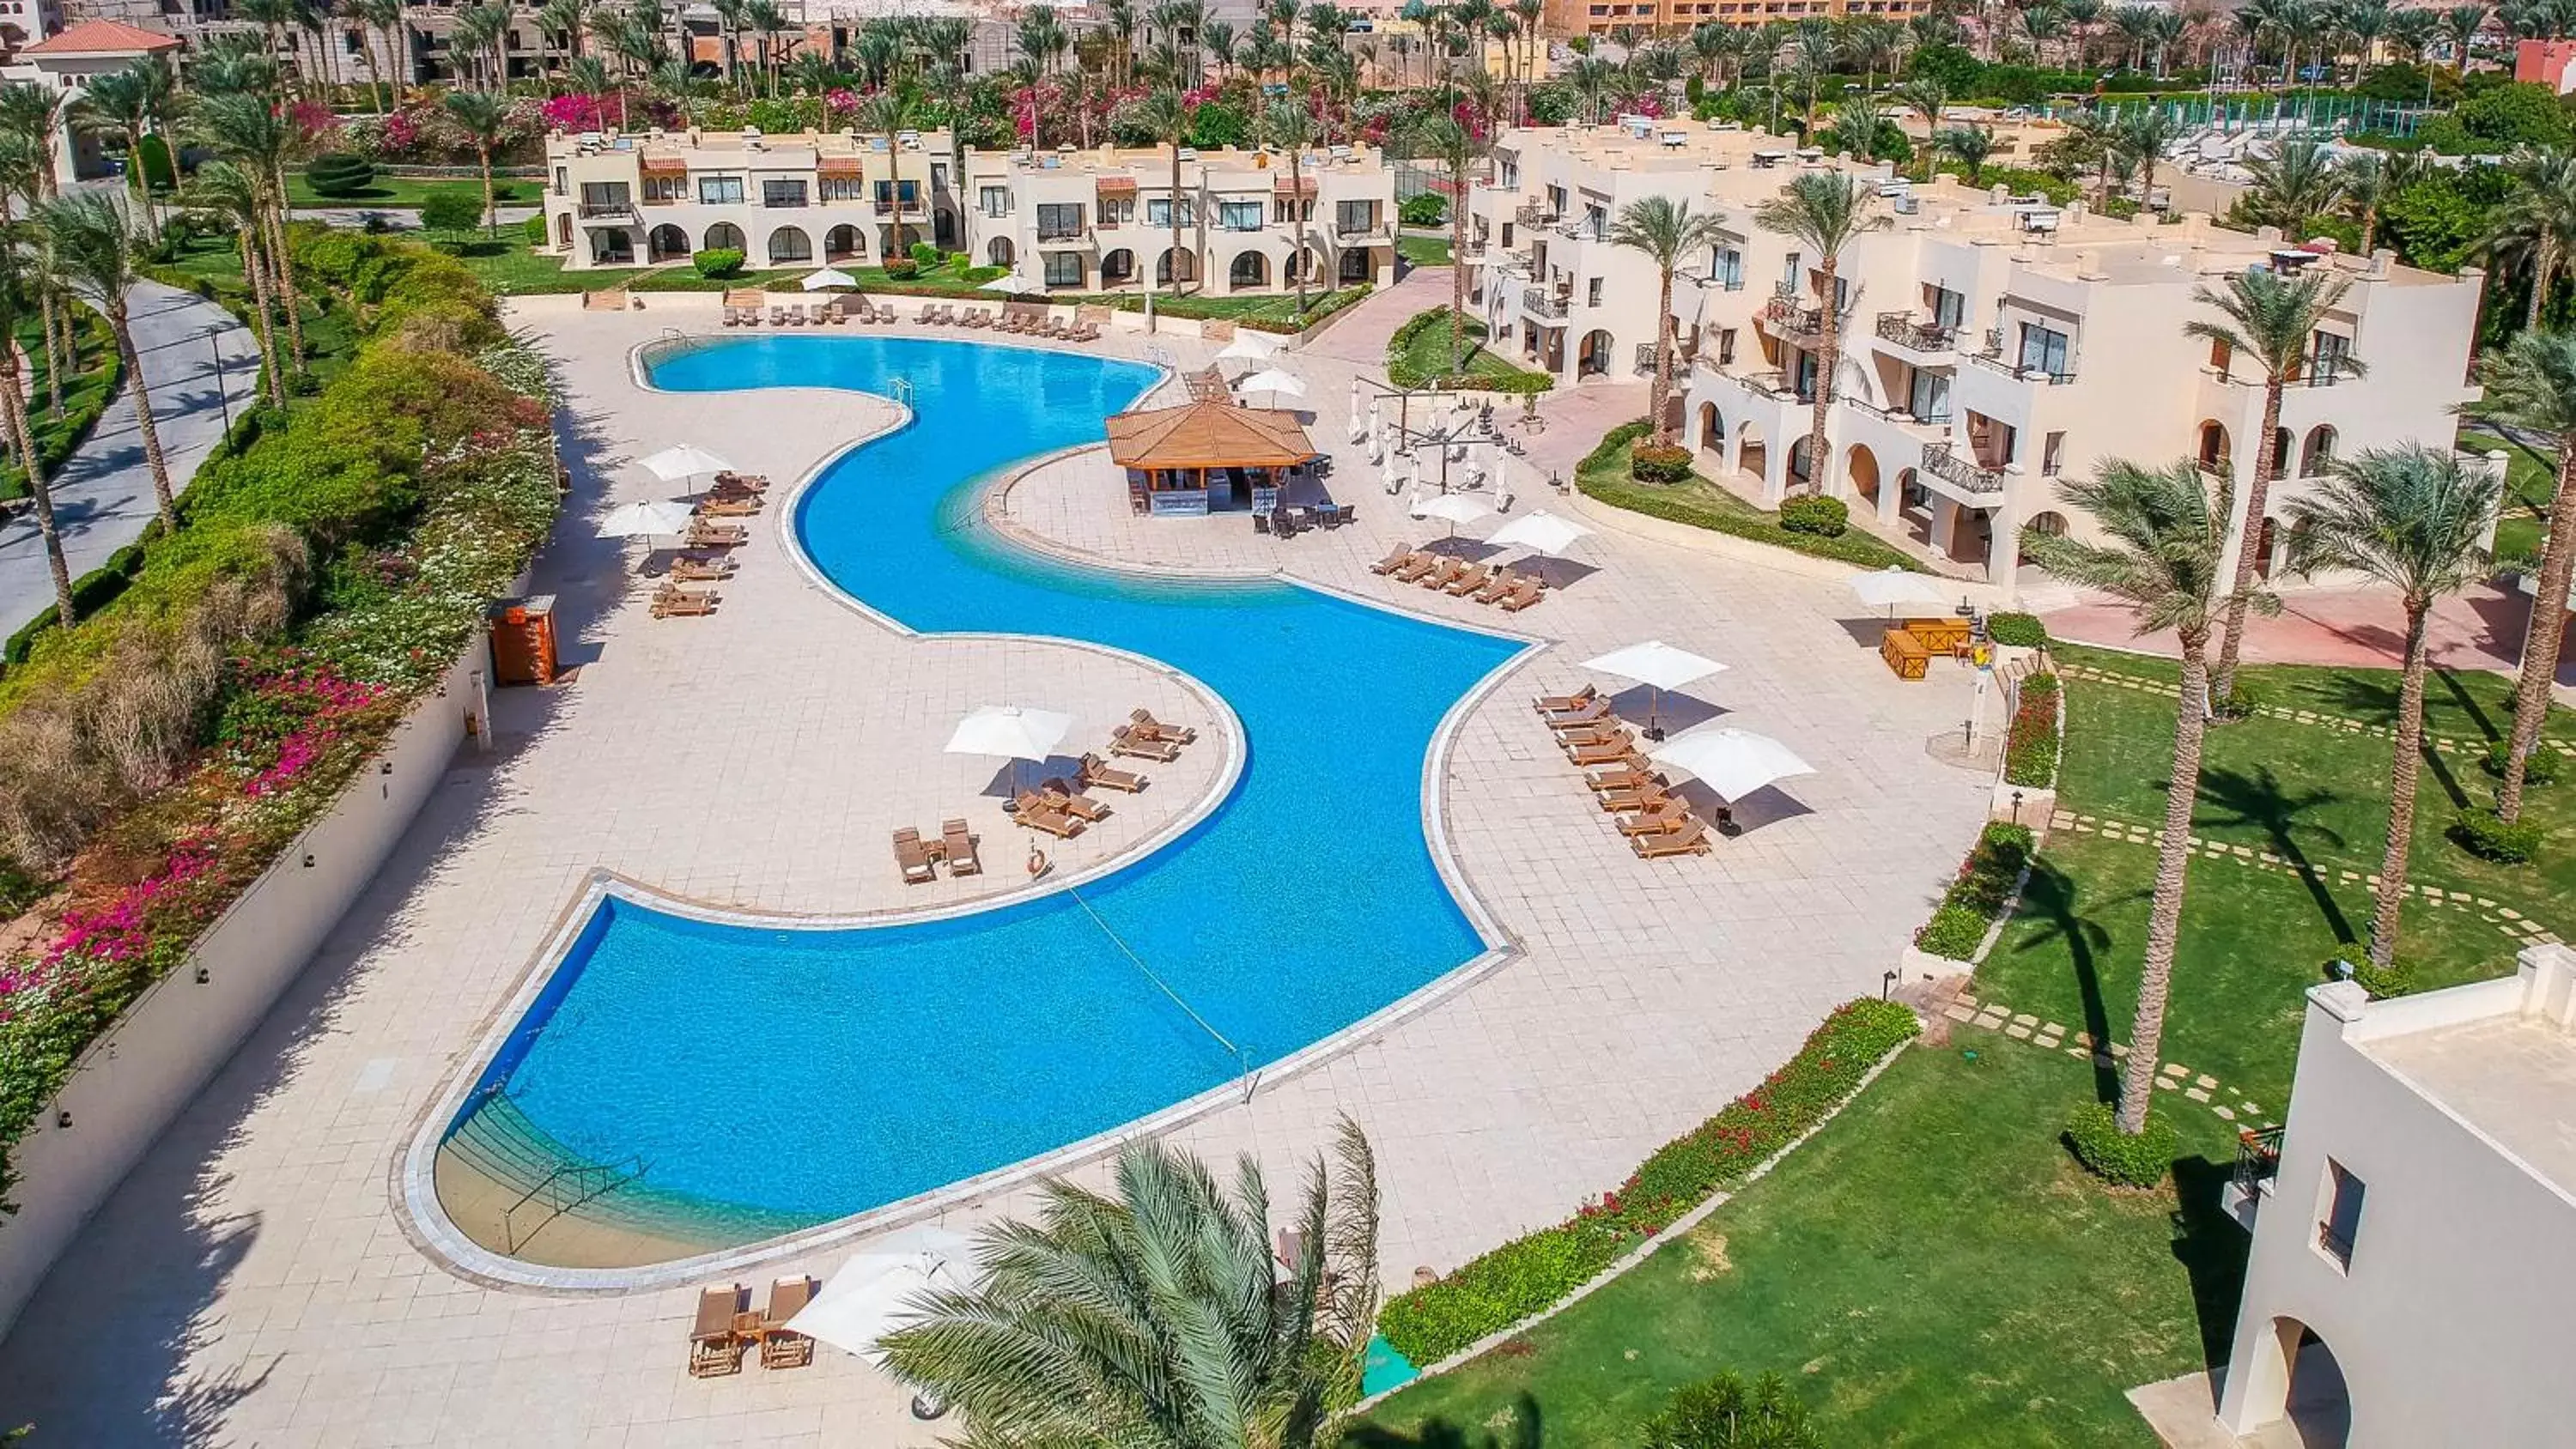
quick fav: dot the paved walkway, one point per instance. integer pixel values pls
(2358, 627)
(254, 1281)
(103, 493)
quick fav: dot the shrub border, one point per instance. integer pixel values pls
(1857, 548)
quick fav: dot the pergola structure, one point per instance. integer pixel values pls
(1188, 459)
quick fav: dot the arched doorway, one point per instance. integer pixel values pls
(998, 252)
(1301, 264)
(1800, 460)
(790, 244)
(1752, 454)
(1712, 428)
(665, 242)
(725, 236)
(563, 231)
(2214, 455)
(1117, 267)
(1861, 466)
(2295, 1381)
(2318, 451)
(842, 243)
(1357, 266)
(1249, 270)
(2281, 442)
(1592, 359)
(1172, 267)
(2267, 548)
(2048, 525)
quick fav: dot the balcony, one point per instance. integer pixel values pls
(1581, 231)
(2025, 372)
(1942, 461)
(2258, 1158)
(607, 211)
(1531, 213)
(1788, 318)
(1543, 303)
(1348, 229)
(1907, 331)
(1771, 383)
(1063, 235)
(1902, 416)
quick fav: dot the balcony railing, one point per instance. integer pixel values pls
(2026, 372)
(1772, 384)
(1368, 227)
(1943, 461)
(2258, 1158)
(1531, 213)
(1581, 230)
(1540, 302)
(1906, 330)
(1063, 233)
(1897, 413)
(607, 210)
(1786, 315)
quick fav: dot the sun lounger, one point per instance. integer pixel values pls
(1690, 839)
(976, 318)
(914, 856)
(1566, 703)
(1415, 567)
(1503, 583)
(1523, 594)
(1396, 558)
(1600, 754)
(1448, 571)
(1085, 332)
(957, 847)
(1154, 729)
(1072, 802)
(1595, 713)
(700, 570)
(1097, 771)
(670, 602)
(734, 507)
(780, 1346)
(1476, 577)
(1626, 775)
(714, 1348)
(1592, 732)
(1664, 815)
(1642, 796)
(777, 315)
(703, 534)
(1032, 810)
(1124, 740)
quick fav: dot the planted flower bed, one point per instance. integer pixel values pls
(1530, 1274)
(1976, 899)
(2030, 748)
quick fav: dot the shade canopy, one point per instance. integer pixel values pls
(1732, 762)
(1012, 283)
(875, 1292)
(685, 461)
(647, 520)
(1248, 347)
(1540, 532)
(1209, 435)
(1011, 732)
(1452, 507)
(1891, 586)
(827, 279)
(1274, 381)
(1656, 664)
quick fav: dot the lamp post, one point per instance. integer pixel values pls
(223, 398)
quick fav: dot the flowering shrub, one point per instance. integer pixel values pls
(2030, 747)
(1973, 901)
(1531, 1273)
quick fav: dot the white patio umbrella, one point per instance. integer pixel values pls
(1011, 732)
(1732, 762)
(1274, 382)
(872, 1294)
(1451, 508)
(1248, 347)
(658, 519)
(827, 279)
(1658, 666)
(1012, 283)
(1541, 532)
(688, 460)
(1888, 587)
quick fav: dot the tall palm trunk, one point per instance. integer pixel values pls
(491, 215)
(2405, 767)
(283, 261)
(1457, 274)
(1297, 207)
(57, 353)
(161, 495)
(1661, 399)
(2249, 538)
(2544, 268)
(2547, 630)
(1828, 357)
(1176, 218)
(40, 492)
(2173, 860)
(263, 323)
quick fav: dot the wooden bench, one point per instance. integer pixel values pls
(1904, 653)
(1940, 636)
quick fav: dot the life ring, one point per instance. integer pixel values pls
(1037, 862)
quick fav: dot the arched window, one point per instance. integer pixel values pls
(1250, 269)
(1117, 267)
(2213, 447)
(842, 242)
(725, 236)
(668, 241)
(790, 244)
(2318, 452)
(998, 252)
(1185, 264)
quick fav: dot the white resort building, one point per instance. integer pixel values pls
(1990, 344)
(1064, 221)
(2411, 1281)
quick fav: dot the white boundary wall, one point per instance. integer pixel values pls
(134, 1081)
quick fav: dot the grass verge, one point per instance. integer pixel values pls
(1702, 504)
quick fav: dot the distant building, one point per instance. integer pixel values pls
(66, 62)
(1600, 17)
(2414, 1264)
(2546, 62)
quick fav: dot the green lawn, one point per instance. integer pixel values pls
(1703, 504)
(330, 343)
(2531, 477)
(407, 192)
(1423, 249)
(1420, 354)
(1931, 1269)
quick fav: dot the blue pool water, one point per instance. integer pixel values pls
(811, 1074)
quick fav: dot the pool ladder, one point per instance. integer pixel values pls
(561, 1191)
(900, 389)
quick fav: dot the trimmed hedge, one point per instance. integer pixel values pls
(1404, 370)
(1977, 897)
(1665, 465)
(2540, 767)
(1813, 513)
(718, 262)
(1603, 476)
(1534, 1272)
(2030, 747)
(339, 173)
(2488, 836)
(2093, 1131)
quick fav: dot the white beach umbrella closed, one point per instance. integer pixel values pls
(828, 278)
(658, 519)
(1658, 666)
(1732, 762)
(875, 1292)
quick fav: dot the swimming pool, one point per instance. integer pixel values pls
(929, 1052)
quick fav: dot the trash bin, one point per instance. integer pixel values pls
(523, 640)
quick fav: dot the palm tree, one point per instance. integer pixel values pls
(2294, 186)
(1925, 97)
(1668, 234)
(478, 29)
(2414, 520)
(2530, 387)
(1288, 125)
(2165, 541)
(2270, 319)
(18, 297)
(255, 134)
(1440, 139)
(233, 193)
(1967, 145)
(1826, 211)
(2368, 181)
(385, 19)
(90, 249)
(767, 21)
(2462, 23)
(485, 117)
(890, 113)
(1166, 115)
(2535, 223)
(2144, 136)
(119, 104)
(1152, 1319)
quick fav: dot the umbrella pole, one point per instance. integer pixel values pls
(1654, 702)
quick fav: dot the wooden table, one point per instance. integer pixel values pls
(1904, 653)
(1940, 636)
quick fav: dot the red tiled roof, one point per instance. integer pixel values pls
(103, 37)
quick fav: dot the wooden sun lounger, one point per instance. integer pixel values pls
(670, 602)
(1523, 594)
(1601, 754)
(1504, 582)
(1097, 771)
(1626, 775)
(1690, 839)
(1476, 577)
(1633, 799)
(1415, 567)
(1447, 572)
(1598, 711)
(703, 534)
(957, 847)
(689, 570)
(1154, 729)
(737, 506)
(782, 1347)
(1663, 816)
(1071, 801)
(1124, 740)
(1396, 558)
(976, 318)
(1592, 732)
(1032, 810)
(1566, 703)
(747, 482)
(714, 1347)
(913, 855)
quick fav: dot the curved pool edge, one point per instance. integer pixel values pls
(424, 1220)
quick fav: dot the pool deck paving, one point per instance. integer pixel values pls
(255, 1280)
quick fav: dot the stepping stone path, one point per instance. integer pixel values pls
(2341, 723)
(2226, 1106)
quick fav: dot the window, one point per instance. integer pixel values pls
(1158, 211)
(1064, 269)
(603, 196)
(2052, 454)
(1949, 309)
(2326, 358)
(2043, 350)
(666, 188)
(996, 200)
(2339, 1214)
(720, 191)
(1117, 212)
(1805, 376)
(1556, 201)
(1789, 272)
(843, 188)
(1059, 220)
(782, 193)
(1592, 293)
(560, 188)
(1596, 222)
(910, 194)
(1726, 268)
(1725, 346)
(939, 176)
(1288, 210)
(1351, 218)
(1239, 215)
(1929, 397)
